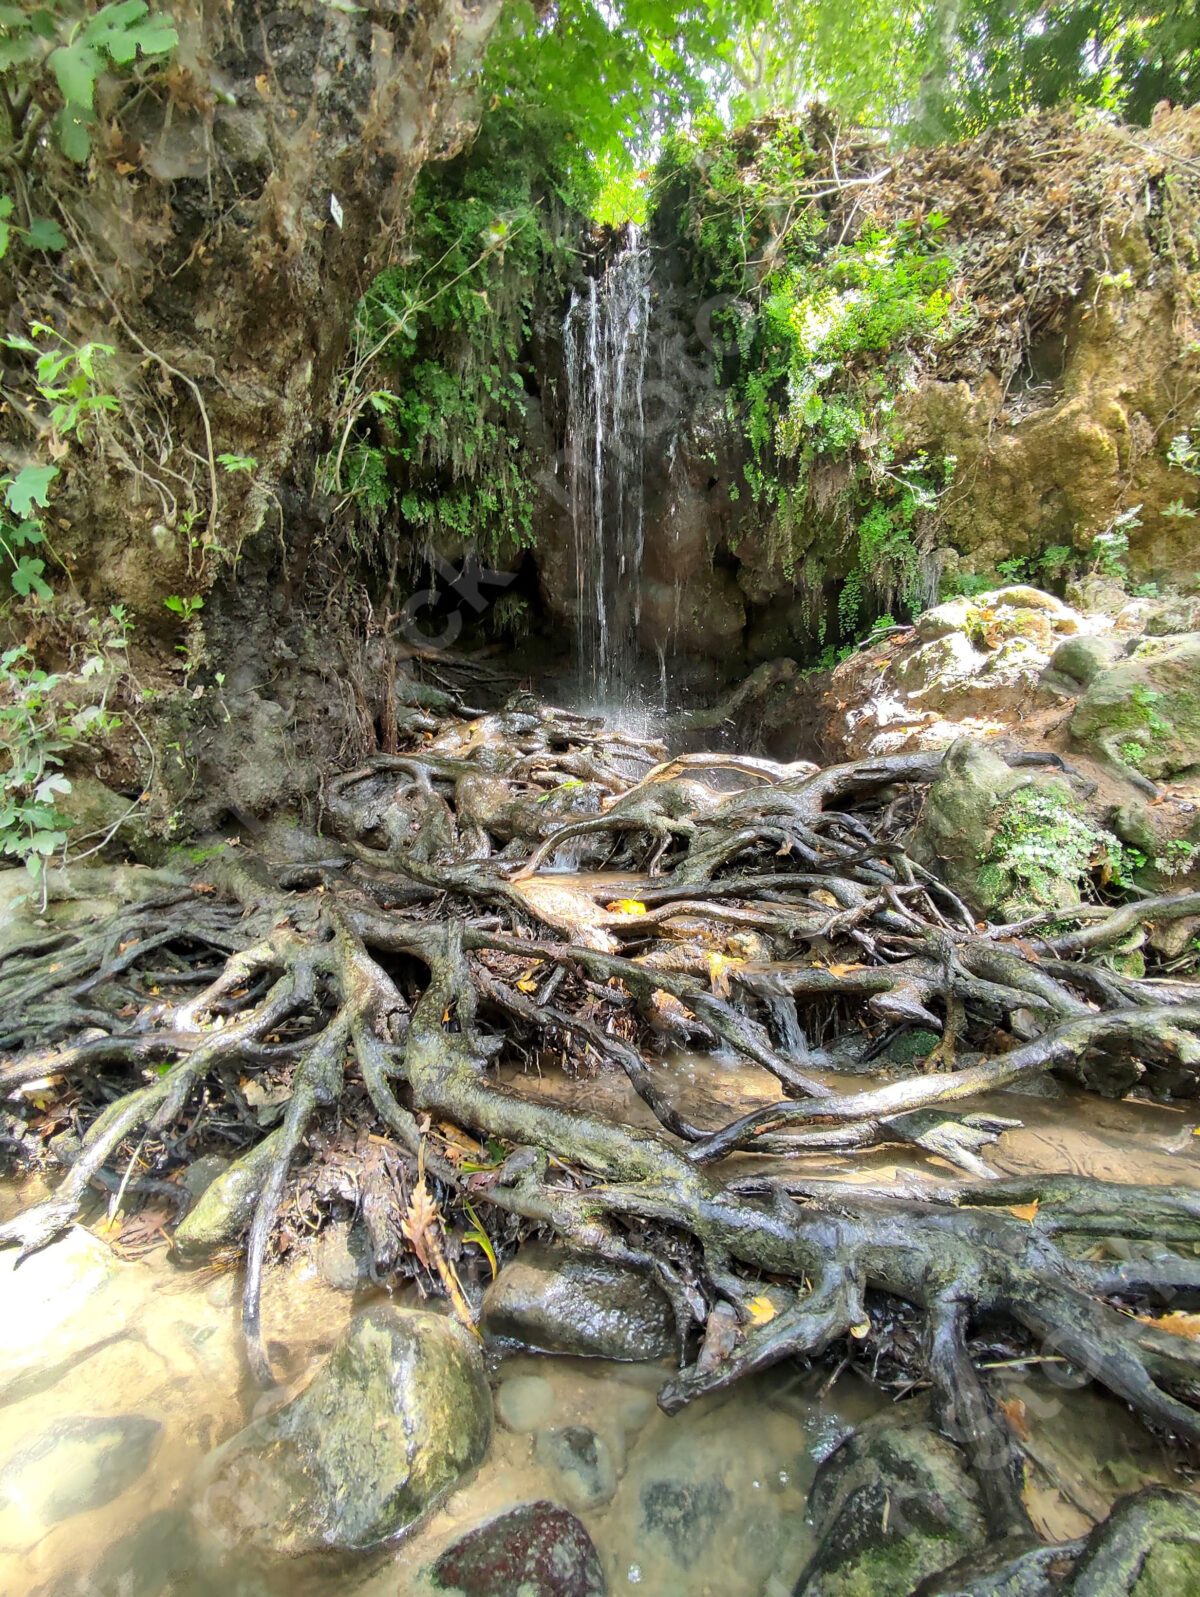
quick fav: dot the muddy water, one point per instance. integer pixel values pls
(117, 1377)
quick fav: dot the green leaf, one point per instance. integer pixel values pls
(27, 578)
(45, 790)
(74, 139)
(44, 233)
(30, 487)
(75, 66)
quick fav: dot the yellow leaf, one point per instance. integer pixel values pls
(844, 970)
(719, 966)
(626, 906)
(527, 986)
(761, 1310)
(1024, 1211)
(1177, 1322)
(863, 1328)
(824, 896)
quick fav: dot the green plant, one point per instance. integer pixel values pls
(74, 48)
(235, 463)
(1110, 547)
(39, 729)
(184, 608)
(1041, 841)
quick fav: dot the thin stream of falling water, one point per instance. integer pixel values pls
(605, 340)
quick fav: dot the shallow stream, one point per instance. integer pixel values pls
(118, 1377)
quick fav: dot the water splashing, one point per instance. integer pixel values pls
(604, 337)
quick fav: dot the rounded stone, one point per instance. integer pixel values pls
(559, 1302)
(537, 1550)
(525, 1402)
(399, 1412)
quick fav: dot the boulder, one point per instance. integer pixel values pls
(891, 1505)
(560, 1302)
(537, 1550)
(1005, 842)
(1143, 715)
(393, 1420)
(1080, 660)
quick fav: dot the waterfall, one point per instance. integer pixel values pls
(604, 338)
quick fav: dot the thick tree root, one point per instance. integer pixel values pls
(419, 963)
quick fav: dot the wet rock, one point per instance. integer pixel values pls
(892, 1505)
(716, 1488)
(957, 823)
(226, 1206)
(559, 1302)
(684, 1515)
(583, 1462)
(201, 1174)
(1149, 1546)
(343, 1256)
(525, 1402)
(58, 1308)
(1143, 715)
(398, 1413)
(537, 1550)
(74, 1465)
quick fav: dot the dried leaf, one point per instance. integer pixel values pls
(1024, 1211)
(1014, 1412)
(526, 986)
(761, 1310)
(1178, 1322)
(822, 895)
(626, 906)
(844, 970)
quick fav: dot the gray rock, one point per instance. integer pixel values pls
(343, 1256)
(892, 1505)
(1143, 715)
(1082, 659)
(226, 1206)
(398, 1413)
(73, 1466)
(198, 1177)
(525, 1402)
(559, 1302)
(583, 1462)
(537, 1550)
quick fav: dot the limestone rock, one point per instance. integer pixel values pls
(1143, 715)
(398, 1413)
(559, 1302)
(892, 1505)
(537, 1550)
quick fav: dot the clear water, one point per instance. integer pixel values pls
(154, 1341)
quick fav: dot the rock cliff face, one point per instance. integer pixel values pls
(1071, 368)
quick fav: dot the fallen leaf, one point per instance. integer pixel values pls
(626, 906)
(1177, 1322)
(527, 986)
(1024, 1211)
(719, 966)
(1014, 1412)
(761, 1310)
(844, 970)
(824, 896)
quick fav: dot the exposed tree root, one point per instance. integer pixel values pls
(413, 962)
